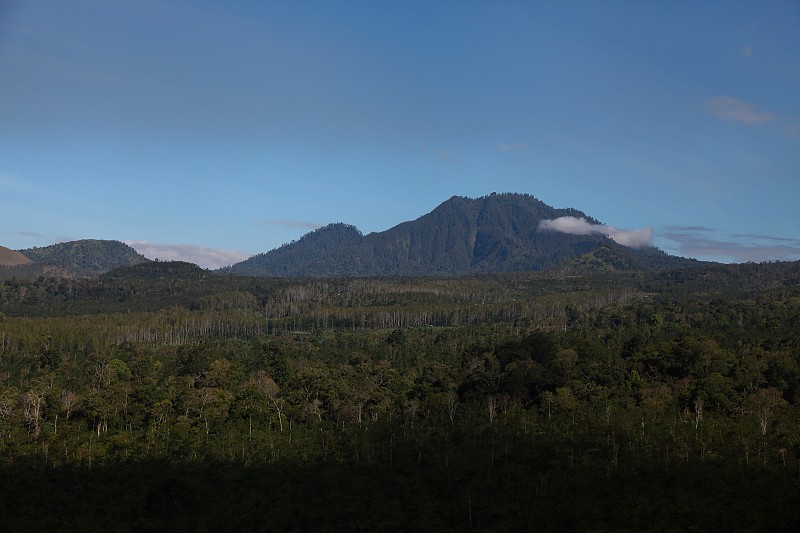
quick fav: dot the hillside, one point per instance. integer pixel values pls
(12, 258)
(495, 233)
(314, 254)
(88, 256)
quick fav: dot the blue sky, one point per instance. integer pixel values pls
(213, 130)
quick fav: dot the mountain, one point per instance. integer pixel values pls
(12, 258)
(494, 233)
(317, 253)
(87, 257)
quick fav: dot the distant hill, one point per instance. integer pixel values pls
(494, 233)
(12, 258)
(615, 258)
(158, 270)
(87, 257)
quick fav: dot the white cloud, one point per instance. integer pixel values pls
(580, 226)
(730, 108)
(199, 255)
(571, 225)
(631, 238)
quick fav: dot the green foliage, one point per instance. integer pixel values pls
(86, 256)
(191, 401)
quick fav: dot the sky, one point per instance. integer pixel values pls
(209, 131)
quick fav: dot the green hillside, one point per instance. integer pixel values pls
(88, 256)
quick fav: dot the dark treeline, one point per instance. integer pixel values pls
(509, 402)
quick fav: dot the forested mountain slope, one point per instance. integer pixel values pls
(495, 233)
(87, 257)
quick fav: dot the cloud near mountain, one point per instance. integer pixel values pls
(495, 233)
(702, 242)
(199, 255)
(580, 226)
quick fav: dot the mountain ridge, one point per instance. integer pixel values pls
(493, 233)
(461, 236)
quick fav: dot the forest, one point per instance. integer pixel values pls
(163, 397)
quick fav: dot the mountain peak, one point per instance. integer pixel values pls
(493, 233)
(303, 257)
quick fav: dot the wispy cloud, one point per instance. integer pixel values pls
(29, 234)
(199, 255)
(735, 110)
(687, 228)
(295, 224)
(765, 237)
(580, 226)
(746, 51)
(706, 243)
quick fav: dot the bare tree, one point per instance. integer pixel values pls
(33, 403)
(267, 385)
(9, 399)
(763, 405)
(492, 407)
(698, 411)
(451, 405)
(314, 407)
(69, 401)
(102, 373)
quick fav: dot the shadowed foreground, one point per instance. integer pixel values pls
(155, 496)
